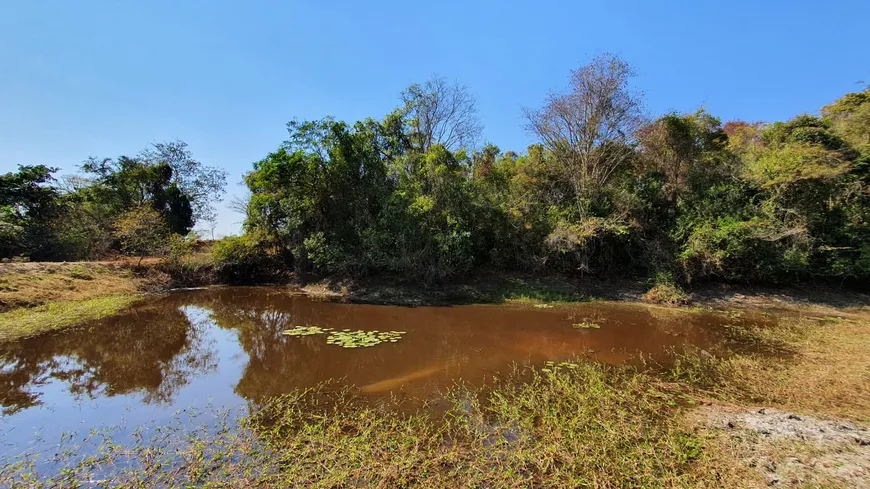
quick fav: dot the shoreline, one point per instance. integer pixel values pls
(40, 297)
(749, 416)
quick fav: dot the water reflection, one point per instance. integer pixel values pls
(152, 350)
(226, 344)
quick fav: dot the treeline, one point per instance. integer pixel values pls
(138, 205)
(606, 190)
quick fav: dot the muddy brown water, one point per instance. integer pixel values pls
(224, 348)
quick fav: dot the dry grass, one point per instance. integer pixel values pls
(33, 284)
(822, 367)
(815, 362)
(667, 293)
(40, 297)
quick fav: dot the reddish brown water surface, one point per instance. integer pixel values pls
(224, 347)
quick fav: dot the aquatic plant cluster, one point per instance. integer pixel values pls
(347, 338)
(362, 339)
(553, 367)
(306, 331)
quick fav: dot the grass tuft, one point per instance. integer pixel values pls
(668, 294)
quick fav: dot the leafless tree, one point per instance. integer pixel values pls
(591, 130)
(441, 112)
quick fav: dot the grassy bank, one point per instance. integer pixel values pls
(40, 297)
(794, 407)
(23, 322)
(701, 423)
(34, 284)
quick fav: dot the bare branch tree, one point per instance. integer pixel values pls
(205, 185)
(441, 113)
(592, 129)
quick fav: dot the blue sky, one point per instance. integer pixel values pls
(86, 78)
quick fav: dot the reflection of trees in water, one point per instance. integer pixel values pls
(156, 349)
(275, 361)
(278, 363)
(153, 350)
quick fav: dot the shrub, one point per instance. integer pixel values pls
(243, 258)
(665, 291)
(142, 231)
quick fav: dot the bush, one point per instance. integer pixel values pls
(665, 291)
(243, 259)
(142, 231)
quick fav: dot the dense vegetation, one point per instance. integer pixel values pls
(605, 191)
(131, 204)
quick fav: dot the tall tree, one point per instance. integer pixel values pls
(203, 185)
(439, 112)
(28, 203)
(127, 183)
(592, 128)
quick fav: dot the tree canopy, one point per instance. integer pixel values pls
(605, 189)
(45, 221)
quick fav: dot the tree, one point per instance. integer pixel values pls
(29, 192)
(28, 204)
(850, 117)
(438, 112)
(202, 185)
(591, 129)
(685, 149)
(127, 183)
(142, 231)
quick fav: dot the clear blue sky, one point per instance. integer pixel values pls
(81, 78)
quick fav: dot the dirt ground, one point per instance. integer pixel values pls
(790, 449)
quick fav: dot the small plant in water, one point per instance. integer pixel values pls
(306, 331)
(553, 367)
(586, 325)
(362, 339)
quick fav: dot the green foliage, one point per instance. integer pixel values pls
(605, 191)
(142, 231)
(243, 258)
(43, 221)
(133, 182)
(180, 248)
(682, 195)
(28, 206)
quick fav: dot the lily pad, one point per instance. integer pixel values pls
(362, 338)
(306, 331)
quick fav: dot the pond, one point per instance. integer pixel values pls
(226, 348)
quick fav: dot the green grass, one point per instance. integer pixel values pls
(531, 292)
(25, 322)
(587, 426)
